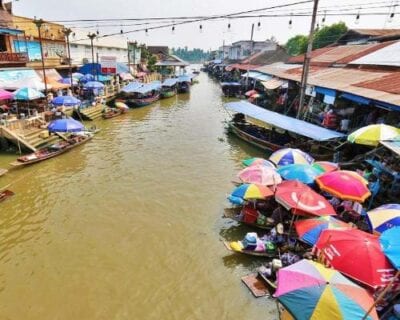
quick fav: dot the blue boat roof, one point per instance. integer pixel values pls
(281, 121)
(169, 82)
(184, 78)
(147, 87)
(257, 75)
(131, 87)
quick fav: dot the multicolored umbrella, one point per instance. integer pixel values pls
(384, 217)
(260, 175)
(27, 94)
(287, 156)
(302, 172)
(308, 290)
(390, 243)
(346, 185)
(65, 125)
(309, 230)
(5, 95)
(258, 162)
(325, 166)
(371, 135)
(68, 101)
(249, 192)
(356, 254)
(302, 200)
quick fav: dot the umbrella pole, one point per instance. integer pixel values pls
(382, 294)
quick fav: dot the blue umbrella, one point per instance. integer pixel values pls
(302, 172)
(68, 101)
(65, 125)
(94, 85)
(27, 94)
(86, 78)
(390, 243)
(68, 81)
(77, 75)
(102, 78)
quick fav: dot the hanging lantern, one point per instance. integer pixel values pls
(201, 28)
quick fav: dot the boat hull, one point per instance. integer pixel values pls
(167, 94)
(112, 115)
(137, 103)
(5, 194)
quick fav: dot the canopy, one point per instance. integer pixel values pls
(77, 75)
(5, 95)
(261, 175)
(68, 101)
(278, 120)
(371, 135)
(308, 290)
(384, 217)
(287, 156)
(325, 166)
(256, 75)
(93, 85)
(65, 125)
(302, 172)
(68, 81)
(132, 86)
(126, 76)
(169, 82)
(393, 145)
(56, 85)
(27, 94)
(272, 84)
(302, 199)
(390, 243)
(248, 192)
(102, 78)
(258, 162)
(147, 87)
(356, 254)
(184, 78)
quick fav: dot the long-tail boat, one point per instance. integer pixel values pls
(143, 95)
(168, 88)
(5, 194)
(184, 83)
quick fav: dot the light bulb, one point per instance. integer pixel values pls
(173, 29)
(357, 19)
(147, 32)
(391, 17)
(259, 25)
(290, 24)
(201, 28)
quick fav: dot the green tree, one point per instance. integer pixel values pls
(329, 34)
(297, 45)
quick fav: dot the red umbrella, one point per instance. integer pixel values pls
(356, 254)
(302, 199)
(346, 185)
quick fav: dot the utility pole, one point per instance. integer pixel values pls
(91, 36)
(67, 32)
(307, 59)
(39, 23)
(129, 57)
(251, 52)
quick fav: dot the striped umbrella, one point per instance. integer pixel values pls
(325, 166)
(287, 156)
(302, 172)
(384, 217)
(261, 175)
(258, 161)
(371, 135)
(249, 192)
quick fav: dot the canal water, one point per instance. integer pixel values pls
(129, 225)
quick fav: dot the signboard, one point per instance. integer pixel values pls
(108, 64)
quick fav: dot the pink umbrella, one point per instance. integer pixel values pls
(260, 175)
(5, 95)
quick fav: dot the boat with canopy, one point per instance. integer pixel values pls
(140, 96)
(169, 87)
(272, 131)
(183, 83)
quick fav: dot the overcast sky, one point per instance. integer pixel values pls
(214, 33)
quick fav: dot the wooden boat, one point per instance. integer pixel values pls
(271, 284)
(142, 102)
(169, 88)
(183, 87)
(256, 285)
(230, 246)
(5, 194)
(167, 93)
(3, 172)
(112, 113)
(52, 151)
(144, 95)
(233, 213)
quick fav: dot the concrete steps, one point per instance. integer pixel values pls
(40, 138)
(91, 113)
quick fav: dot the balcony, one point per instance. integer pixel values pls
(12, 58)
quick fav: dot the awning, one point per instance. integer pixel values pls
(392, 145)
(355, 98)
(131, 87)
(13, 32)
(325, 91)
(185, 78)
(386, 105)
(257, 75)
(155, 85)
(277, 120)
(169, 82)
(272, 84)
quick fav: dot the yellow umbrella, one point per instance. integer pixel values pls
(371, 135)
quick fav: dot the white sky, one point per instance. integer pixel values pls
(214, 33)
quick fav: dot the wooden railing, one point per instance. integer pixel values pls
(13, 57)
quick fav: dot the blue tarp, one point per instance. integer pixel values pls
(230, 84)
(184, 78)
(277, 120)
(355, 98)
(155, 85)
(169, 82)
(131, 87)
(92, 68)
(325, 91)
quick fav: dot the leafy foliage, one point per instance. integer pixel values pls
(193, 56)
(297, 45)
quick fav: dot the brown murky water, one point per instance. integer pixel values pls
(128, 226)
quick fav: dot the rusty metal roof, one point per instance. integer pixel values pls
(389, 83)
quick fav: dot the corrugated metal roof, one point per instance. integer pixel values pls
(377, 32)
(315, 53)
(241, 66)
(387, 56)
(389, 83)
(341, 79)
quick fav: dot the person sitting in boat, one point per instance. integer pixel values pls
(279, 215)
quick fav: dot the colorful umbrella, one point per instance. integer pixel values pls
(121, 105)
(258, 161)
(309, 230)
(302, 172)
(93, 85)
(390, 243)
(249, 192)
(325, 166)
(5, 95)
(384, 217)
(65, 125)
(308, 290)
(260, 175)
(356, 254)
(287, 156)
(27, 94)
(346, 185)
(371, 135)
(66, 101)
(302, 199)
